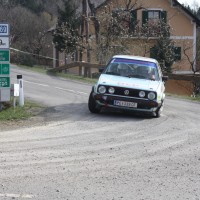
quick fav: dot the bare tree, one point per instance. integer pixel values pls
(193, 60)
(194, 63)
(28, 30)
(114, 27)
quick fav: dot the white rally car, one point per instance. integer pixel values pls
(130, 83)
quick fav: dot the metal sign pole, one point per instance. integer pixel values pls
(4, 63)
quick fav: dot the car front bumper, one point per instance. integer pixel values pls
(142, 105)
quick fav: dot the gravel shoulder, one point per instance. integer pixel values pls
(65, 152)
(42, 116)
(38, 119)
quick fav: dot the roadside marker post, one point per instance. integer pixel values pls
(21, 90)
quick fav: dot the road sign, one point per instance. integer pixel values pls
(5, 94)
(4, 63)
(4, 69)
(4, 55)
(4, 29)
(4, 82)
(4, 43)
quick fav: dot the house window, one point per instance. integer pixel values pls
(133, 20)
(177, 52)
(153, 16)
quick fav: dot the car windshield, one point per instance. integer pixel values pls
(132, 69)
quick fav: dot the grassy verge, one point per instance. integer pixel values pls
(74, 77)
(18, 113)
(184, 97)
(44, 70)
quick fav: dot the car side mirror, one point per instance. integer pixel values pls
(165, 78)
(101, 69)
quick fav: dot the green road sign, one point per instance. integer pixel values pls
(4, 69)
(4, 82)
(5, 55)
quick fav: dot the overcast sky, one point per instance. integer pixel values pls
(193, 3)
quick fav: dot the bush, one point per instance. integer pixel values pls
(23, 59)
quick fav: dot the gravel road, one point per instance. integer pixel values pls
(109, 156)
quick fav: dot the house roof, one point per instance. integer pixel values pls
(176, 3)
(101, 3)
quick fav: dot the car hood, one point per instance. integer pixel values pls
(136, 83)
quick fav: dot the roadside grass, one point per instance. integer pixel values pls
(184, 97)
(73, 77)
(9, 113)
(44, 70)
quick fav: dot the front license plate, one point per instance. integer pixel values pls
(125, 104)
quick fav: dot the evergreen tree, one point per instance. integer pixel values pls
(164, 50)
(66, 34)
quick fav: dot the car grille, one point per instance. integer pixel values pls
(132, 92)
(121, 92)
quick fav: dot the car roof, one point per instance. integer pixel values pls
(136, 58)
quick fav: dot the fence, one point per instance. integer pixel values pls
(180, 84)
(81, 68)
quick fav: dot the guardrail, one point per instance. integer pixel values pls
(85, 65)
(183, 77)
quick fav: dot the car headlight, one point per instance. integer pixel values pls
(111, 90)
(102, 89)
(151, 95)
(142, 94)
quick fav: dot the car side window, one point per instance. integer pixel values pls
(112, 69)
(159, 72)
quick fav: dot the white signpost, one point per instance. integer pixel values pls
(14, 93)
(4, 63)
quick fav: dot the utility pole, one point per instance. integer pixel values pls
(82, 35)
(85, 29)
(87, 40)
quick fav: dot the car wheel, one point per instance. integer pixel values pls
(159, 110)
(92, 104)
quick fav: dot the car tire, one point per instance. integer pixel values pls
(92, 104)
(159, 110)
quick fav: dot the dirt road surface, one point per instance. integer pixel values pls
(76, 155)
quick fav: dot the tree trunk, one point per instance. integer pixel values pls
(85, 25)
(96, 22)
(57, 58)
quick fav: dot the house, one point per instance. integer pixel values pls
(139, 15)
(183, 28)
